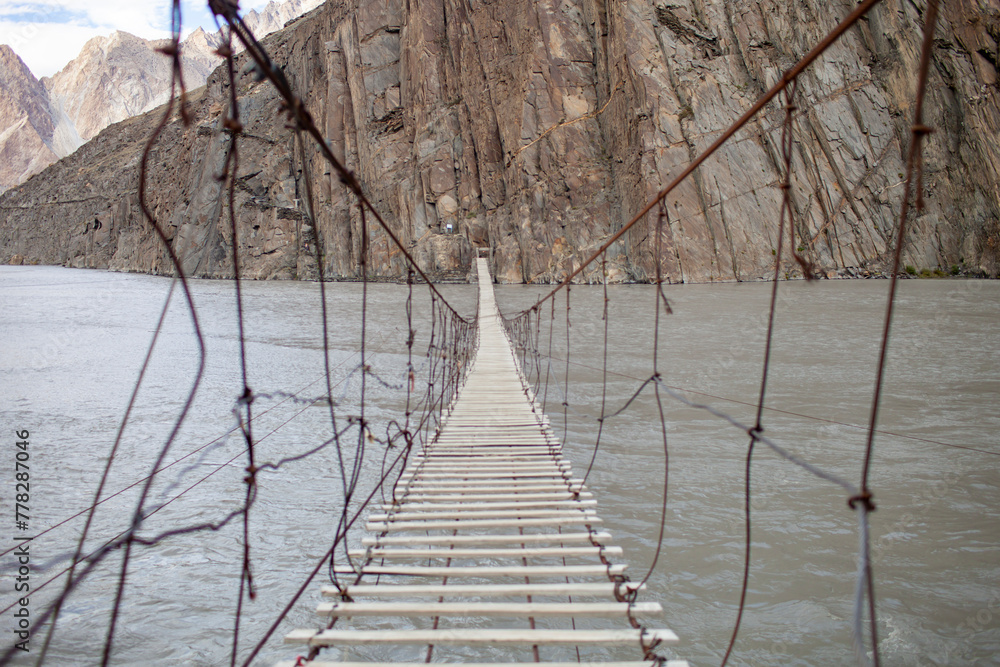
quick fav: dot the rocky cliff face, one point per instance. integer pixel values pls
(28, 134)
(537, 128)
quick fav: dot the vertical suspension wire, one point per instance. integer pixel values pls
(320, 257)
(864, 503)
(535, 351)
(535, 336)
(661, 305)
(548, 357)
(604, 369)
(231, 173)
(411, 378)
(787, 146)
(137, 517)
(324, 316)
(431, 365)
(363, 429)
(565, 393)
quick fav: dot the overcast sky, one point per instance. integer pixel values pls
(47, 34)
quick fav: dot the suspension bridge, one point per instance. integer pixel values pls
(490, 552)
(488, 502)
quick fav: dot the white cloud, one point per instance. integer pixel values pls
(49, 33)
(45, 47)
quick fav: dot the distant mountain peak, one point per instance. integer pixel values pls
(114, 77)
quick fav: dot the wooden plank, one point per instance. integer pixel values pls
(483, 467)
(500, 609)
(477, 424)
(497, 448)
(498, 451)
(508, 485)
(480, 637)
(420, 506)
(480, 523)
(475, 454)
(485, 462)
(496, 438)
(427, 515)
(495, 469)
(431, 476)
(488, 478)
(491, 571)
(469, 455)
(493, 497)
(434, 465)
(466, 540)
(450, 437)
(524, 552)
(320, 663)
(461, 491)
(470, 430)
(601, 589)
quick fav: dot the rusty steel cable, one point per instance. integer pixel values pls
(914, 166)
(784, 219)
(176, 81)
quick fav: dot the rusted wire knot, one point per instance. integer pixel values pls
(224, 51)
(648, 646)
(621, 582)
(170, 49)
(232, 125)
(864, 498)
(246, 398)
(755, 432)
(921, 130)
(225, 8)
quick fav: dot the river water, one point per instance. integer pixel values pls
(72, 341)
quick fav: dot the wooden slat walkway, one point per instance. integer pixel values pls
(509, 542)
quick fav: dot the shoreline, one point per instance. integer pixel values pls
(847, 273)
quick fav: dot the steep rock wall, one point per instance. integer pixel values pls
(538, 128)
(28, 134)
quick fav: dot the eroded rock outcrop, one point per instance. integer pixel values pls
(538, 128)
